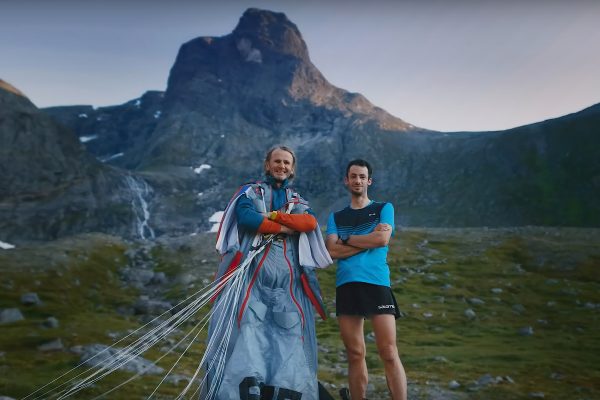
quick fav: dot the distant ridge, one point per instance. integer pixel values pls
(230, 98)
(50, 185)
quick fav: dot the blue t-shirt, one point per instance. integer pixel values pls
(370, 265)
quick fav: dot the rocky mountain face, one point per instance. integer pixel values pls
(50, 186)
(230, 98)
(541, 174)
(123, 128)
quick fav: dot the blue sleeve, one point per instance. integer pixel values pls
(331, 226)
(387, 216)
(246, 214)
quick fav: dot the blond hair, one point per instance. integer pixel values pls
(284, 148)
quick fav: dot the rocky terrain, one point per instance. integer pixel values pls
(229, 98)
(50, 186)
(486, 313)
(104, 213)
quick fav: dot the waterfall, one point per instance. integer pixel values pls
(140, 190)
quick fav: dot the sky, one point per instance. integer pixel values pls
(453, 65)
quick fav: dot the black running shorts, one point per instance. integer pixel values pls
(365, 299)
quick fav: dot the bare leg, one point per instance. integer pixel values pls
(384, 327)
(351, 330)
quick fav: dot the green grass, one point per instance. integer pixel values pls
(532, 268)
(78, 286)
(78, 282)
(550, 274)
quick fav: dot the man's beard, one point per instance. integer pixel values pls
(357, 191)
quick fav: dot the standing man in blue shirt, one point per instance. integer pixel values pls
(358, 237)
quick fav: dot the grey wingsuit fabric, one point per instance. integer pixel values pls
(272, 318)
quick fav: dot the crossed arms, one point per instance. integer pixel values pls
(356, 243)
(287, 223)
(251, 219)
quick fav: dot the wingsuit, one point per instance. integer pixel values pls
(271, 350)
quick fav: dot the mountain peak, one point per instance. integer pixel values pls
(10, 88)
(12, 99)
(262, 67)
(271, 30)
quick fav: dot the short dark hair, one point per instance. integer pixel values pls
(361, 163)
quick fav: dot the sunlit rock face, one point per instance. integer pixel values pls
(230, 98)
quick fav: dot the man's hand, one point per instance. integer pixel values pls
(383, 227)
(296, 222)
(337, 250)
(284, 229)
(287, 231)
(378, 238)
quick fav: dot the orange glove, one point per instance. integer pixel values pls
(268, 226)
(297, 222)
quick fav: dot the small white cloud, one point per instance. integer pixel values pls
(200, 194)
(8, 246)
(82, 115)
(157, 114)
(202, 168)
(254, 56)
(248, 52)
(223, 135)
(85, 139)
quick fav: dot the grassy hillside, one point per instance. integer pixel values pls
(534, 293)
(546, 279)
